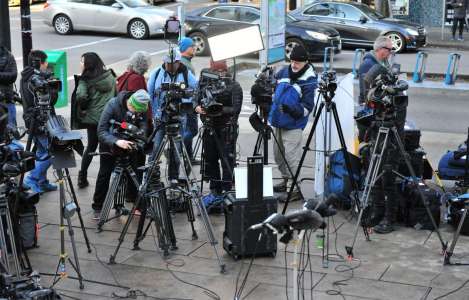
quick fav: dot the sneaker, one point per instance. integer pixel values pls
(33, 185)
(96, 214)
(461, 39)
(48, 187)
(82, 180)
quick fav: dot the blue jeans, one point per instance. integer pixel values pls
(173, 169)
(190, 126)
(43, 161)
(11, 114)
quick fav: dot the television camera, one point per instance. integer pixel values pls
(130, 132)
(263, 88)
(211, 86)
(177, 98)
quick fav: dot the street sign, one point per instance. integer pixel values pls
(273, 31)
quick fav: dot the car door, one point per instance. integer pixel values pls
(107, 17)
(223, 19)
(320, 12)
(81, 12)
(347, 20)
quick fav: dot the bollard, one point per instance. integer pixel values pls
(357, 61)
(329, 59)
(419, 71)
(452, 70)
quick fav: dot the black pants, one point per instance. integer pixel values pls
(461, 26)
(219, 148)
(92, 132)
(107, 164)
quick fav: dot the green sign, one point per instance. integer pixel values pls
(58, 65)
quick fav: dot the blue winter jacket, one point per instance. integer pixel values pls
(157, 96)
(298, 96)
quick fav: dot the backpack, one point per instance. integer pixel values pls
(452, 164)
(337, 179)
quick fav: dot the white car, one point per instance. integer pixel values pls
(137, 18)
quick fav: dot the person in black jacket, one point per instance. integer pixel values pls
(8, 74)
(37, 67)
(219, 139)
(119, 108)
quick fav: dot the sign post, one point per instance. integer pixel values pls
(273, 32)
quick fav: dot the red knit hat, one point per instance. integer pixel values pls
(218, 65)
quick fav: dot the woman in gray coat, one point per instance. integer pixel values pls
(459, 16)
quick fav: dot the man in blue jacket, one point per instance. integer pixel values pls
(173, 71)
(382, 50)
(293, 101)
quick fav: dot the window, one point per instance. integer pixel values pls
(249, 15)
(104, 2)
(224, 13)
(347, 12)
(81, 1)
(318, 10)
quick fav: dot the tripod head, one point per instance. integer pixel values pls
(328, 85)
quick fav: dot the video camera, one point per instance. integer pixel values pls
(211, 86)
(176, 93)
(27, 289)
(263, 88)
(130, 132)
(44, 85)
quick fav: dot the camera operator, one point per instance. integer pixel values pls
(37, 70)
(220, 144)
(293, 101)
(8, 74)
(125, 107)
(382, 50)
(172, 71)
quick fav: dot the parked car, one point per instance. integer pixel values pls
(137, 18)
(18, 2)
(359, 25)
(221, 18)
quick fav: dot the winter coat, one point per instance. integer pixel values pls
(8, 73)
(459, 7)
(157, 96)
(93, 94)
(131, 81)
(297, 95)
(115, 109)
(369, 60)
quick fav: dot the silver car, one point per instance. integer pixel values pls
(137, 18)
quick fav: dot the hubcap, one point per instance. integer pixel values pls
(289, 47)
(62, 25)
(199, 44)
(396, 42)
(137, 29)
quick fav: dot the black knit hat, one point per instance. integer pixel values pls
(299, 53)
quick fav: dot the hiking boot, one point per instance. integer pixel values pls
(82, 181)
(281, 187)
(384, 227)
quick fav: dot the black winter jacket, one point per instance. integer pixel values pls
(115, 109)
(8, 73)
(459, 7)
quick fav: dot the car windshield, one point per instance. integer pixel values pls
(371, 12)
(135, 3)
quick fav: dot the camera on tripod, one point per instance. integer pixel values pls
(263, 88)
(44, 85)
(211, 86)
(130, 132)
(328, 82)
(177, 98)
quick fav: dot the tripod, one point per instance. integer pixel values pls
(326, 91)
(157, 205)
(115, 196)
(67, 210)
(387, 128)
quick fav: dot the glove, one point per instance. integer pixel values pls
(286, 109)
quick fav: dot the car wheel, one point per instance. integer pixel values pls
(62, 24)
(290, 44)
(200, 43)
(138, 29)
(398, 43)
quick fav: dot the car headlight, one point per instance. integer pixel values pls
(317, 35)
(412, 31)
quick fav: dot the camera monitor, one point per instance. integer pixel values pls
(172, 29)
(236, 43)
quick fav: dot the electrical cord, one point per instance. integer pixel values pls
(238, 293)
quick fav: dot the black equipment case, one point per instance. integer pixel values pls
(240, 214)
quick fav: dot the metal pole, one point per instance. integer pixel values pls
(263, 56)
(443, 19)
(182, 18)
(5, 38)
(26, 33)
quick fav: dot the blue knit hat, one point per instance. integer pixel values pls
(185, 43)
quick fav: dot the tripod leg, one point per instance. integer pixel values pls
(4, 251)
(258, 144)
(116, 179)
(419, 188)
(195, 193)
(190, 216)
(78, 210)
(450, 251)
(303, 156)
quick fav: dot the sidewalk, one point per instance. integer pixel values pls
(434, 39)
